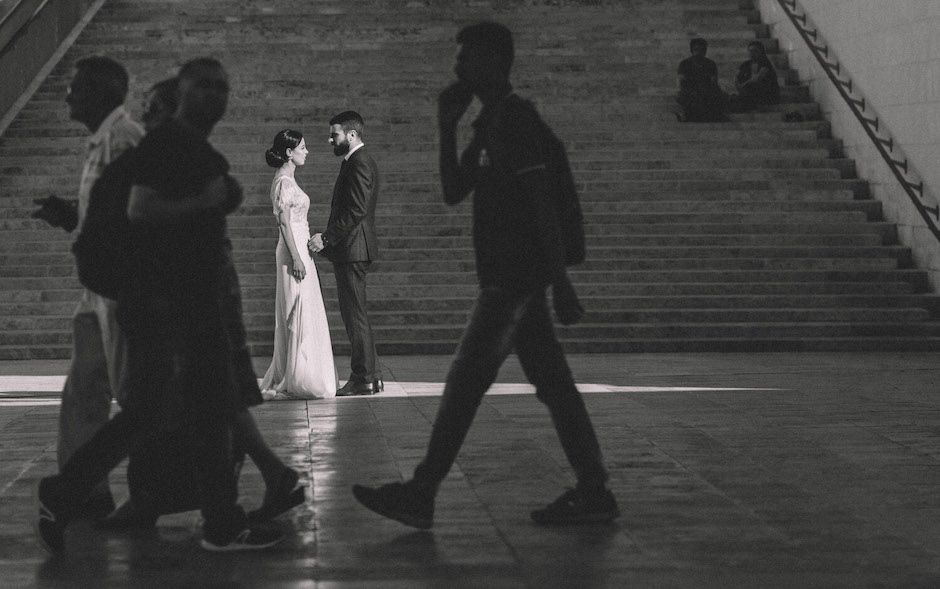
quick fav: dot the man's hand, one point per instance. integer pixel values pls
(57, 212)
(565, 300)
(452, 103)
(315, 244)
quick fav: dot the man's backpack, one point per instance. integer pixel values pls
(565, 196)
(102, 248)
(567, 204)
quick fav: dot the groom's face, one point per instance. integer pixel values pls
(339, 140)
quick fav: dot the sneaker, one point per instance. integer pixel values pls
(400, 502)
(577, 507)
(49, 526)
(247, 539)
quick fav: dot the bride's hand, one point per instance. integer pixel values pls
(299, 270)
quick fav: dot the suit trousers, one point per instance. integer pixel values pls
(502, 320)
(351, 289)
(97, 373)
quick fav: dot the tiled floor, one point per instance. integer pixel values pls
(732, 470)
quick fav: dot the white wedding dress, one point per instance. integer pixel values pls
(302, 366)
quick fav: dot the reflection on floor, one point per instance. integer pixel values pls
(765, 470)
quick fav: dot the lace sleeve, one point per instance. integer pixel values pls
(282, 197)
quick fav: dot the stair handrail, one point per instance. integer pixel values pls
(15, 21)
(901, 168)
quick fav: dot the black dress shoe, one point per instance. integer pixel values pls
(351, 389)
(284, 495)
(378, 386)
(402, 502)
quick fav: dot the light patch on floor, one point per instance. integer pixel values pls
(34, 390)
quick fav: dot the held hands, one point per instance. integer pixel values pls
(315, 244)
(299, 270)
(452, 103)
(57, 212)
(565, 300)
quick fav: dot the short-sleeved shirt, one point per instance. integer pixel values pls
(509, 140)
(116, 134)
(699, 74)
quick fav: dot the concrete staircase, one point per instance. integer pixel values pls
(750, 235)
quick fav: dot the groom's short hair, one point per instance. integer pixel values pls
(349, 120)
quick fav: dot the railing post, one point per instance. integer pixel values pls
(885, 146)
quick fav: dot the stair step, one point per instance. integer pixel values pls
(811, 303)
(770, 330)
(752, 234)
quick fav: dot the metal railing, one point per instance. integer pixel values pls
(34, 35)
(883, 142)
(15, 18)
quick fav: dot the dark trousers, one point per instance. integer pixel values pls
(161, 380)
(501, 320)
(351, 289)
(161, 475)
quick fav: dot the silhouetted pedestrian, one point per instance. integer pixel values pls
(183, 377)
(519, 253)
(98, 370)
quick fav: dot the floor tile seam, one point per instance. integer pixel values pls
(773, 531)
(821, 496)
(533, 435)
(29, 464)
(752, 415)
(934, 458)
(729, 496)
(378, 421)
(516, 555)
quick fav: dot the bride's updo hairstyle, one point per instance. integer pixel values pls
(276, 156)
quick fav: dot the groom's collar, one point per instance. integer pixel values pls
(353, 150)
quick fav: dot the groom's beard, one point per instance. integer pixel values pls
(341, 148)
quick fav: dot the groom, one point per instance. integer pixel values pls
(349, 242)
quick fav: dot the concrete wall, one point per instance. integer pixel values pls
(891, 51)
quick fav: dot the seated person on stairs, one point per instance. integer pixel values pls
(700, 98)
(756, 80)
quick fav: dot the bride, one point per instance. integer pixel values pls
(302, 366)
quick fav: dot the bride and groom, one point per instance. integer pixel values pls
(302, 366)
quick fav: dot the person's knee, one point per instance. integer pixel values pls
(476, 368)
(558, 388)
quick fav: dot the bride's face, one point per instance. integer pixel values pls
(298, 155)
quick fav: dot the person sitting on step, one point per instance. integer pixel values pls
(756, 80)
(700, 98)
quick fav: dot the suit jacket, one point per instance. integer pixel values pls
(350, 232)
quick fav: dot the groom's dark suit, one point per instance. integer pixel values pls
(350, 243)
